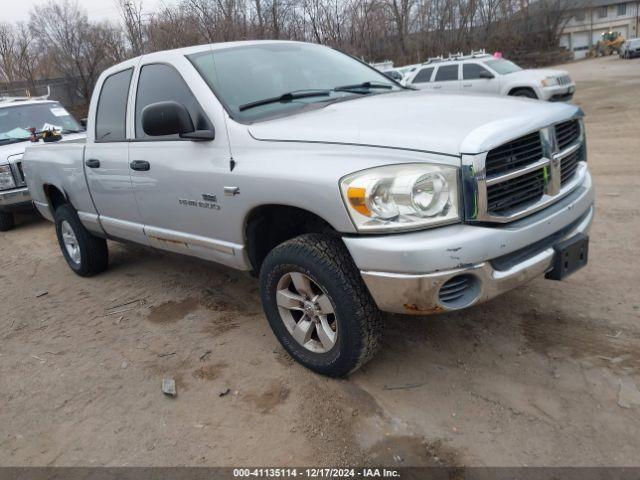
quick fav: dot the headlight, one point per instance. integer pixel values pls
(549, 82)
(402, 197)
(6, 178)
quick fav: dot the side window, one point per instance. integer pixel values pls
(159, 83)
(446, 73)
(112, 107)
(423, 75)
(471, 71)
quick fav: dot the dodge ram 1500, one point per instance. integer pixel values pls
(344, 192)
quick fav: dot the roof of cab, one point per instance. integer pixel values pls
(195, 49)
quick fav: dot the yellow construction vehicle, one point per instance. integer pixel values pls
(609, 43)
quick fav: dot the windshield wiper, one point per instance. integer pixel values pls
(286, 97)
(73, 131)
(363, 85)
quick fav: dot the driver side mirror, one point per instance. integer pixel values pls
(485, 74)
(171, 118)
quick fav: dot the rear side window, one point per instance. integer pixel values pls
(160, 83)
(471, 71)
(423, 75)
(446, 73)
(112, 107)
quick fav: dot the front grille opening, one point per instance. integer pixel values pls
(569, 165)
(20, 171)
(515, 154)
(567, 133)
(515, 193)
(460, 291)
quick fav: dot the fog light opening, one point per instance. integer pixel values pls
(459, 291)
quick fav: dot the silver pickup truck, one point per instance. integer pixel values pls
(346, 193)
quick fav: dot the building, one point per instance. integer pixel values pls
(591, 18)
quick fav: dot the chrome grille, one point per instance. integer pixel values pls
(567, 133)
(524, 175)
(569, 165)
(18, 174)
(505, 196)
(564, 80)
(515, 154)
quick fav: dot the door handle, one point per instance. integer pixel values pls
(466, 85)
(437, 87)
(92, 163)
(140, 165)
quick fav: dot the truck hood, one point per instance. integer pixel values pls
(417, 120)
(17, 149)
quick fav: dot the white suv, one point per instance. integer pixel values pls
(487, 74)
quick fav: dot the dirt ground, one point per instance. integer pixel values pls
(544, 375)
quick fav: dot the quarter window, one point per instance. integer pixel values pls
(423, 75)
(112, 107)
(471, 71)
(160, 83)
(446, 73)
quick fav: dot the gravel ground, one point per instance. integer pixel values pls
(544, 375)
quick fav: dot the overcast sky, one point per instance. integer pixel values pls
(18, 10)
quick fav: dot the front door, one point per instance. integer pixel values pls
(107, 162)
(477, 79)
(178, 183)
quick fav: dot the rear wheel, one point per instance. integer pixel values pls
(7, 221)
(85, 253)
(318, 306)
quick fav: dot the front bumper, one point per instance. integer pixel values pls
(15, 198)
(561, 93)
(405, 273)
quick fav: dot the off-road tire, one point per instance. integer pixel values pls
(7, 221)
(326, 261)
(94, 255)
(524, 92)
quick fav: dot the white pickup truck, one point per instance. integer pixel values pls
(346, 193)
(17, 115)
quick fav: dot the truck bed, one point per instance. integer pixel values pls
(60, 164)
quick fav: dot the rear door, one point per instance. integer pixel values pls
(181, 193)
(447, 78)
(107, 159)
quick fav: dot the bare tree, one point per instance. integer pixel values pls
(8, 53)
(80, 50)
(131, 14)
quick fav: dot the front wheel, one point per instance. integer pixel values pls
(6, 221)
(525, 92)
(318, 306)
(85, 253)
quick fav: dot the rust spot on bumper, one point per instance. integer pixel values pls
(413, 309)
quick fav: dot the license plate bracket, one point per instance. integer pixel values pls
(571, 255)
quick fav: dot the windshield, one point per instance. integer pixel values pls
(246, 75)
(16, 120)
(502, 66)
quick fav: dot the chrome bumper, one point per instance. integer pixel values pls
(17, 196)
(419, 294)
